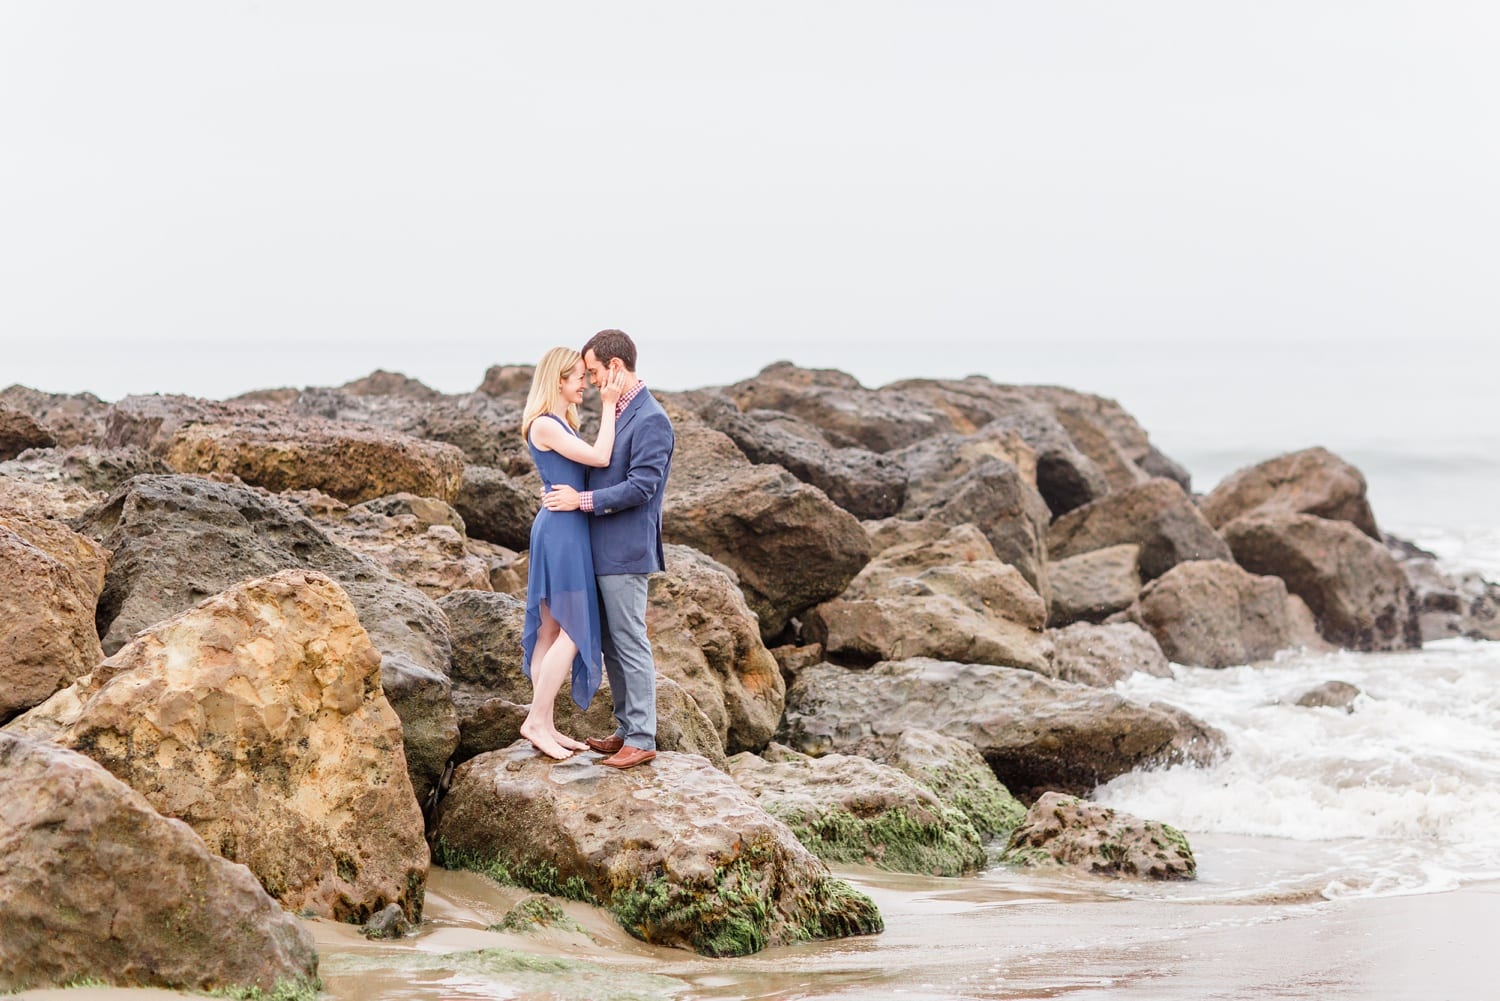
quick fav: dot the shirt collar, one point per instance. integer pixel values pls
(626, 397)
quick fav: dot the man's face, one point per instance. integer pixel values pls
(596, 369)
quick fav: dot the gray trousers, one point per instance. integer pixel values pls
(627, 657)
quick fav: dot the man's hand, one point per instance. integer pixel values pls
(560, 498)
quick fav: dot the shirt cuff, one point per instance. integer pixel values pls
(586, 502)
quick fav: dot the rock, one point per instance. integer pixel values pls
(534, 913)
(934, 465)
(50, 579)
(956, 772)
(855, 811)
(492, 696)
(1100, 655)
(793, 657)
(1211, 613)
(499, 508)
(836, 404)
(1313, 481)
(20, 431)
(416, 539)
(349, 461)
(97, 886)
(1035, 732)
(1448, 604)
(1069, 832)
(677, 852)
(948, 598)
(57, 501)
(64, 483)
(862, 482)
(383, 383)
(1356, 591)
(705, 638)
(1065, 477)
(149, 421)
(257, 718)
(995, 497)
(1156, 515)
(176, 540)
(1332, 695)
(70, 418)
(1092, 586)
(789, 545)
(1102, 430)
(504, 380)
(389, 923)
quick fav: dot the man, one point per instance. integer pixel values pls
(625, 498)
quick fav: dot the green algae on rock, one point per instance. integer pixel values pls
(1069, 832)
(853, 810)
(536, 912)
(956, 771)
(675, 851)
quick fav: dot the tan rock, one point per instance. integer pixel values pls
(1064, 831)
(1100, 655)
(1157, 515)
(50, 580)
(353, 462)
(1092, 586)
(1312, 481)
(257, 718)
(678, 853)
(1356, 590)
(96, 885)
(1211, 613)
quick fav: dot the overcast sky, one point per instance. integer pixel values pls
(438, 186)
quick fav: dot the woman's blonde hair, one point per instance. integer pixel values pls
(546, 388)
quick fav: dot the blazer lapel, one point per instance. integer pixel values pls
(633, 408)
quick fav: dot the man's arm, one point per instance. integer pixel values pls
(649, 457)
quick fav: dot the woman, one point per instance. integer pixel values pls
(562, 605)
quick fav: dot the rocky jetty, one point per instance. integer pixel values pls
(264, 630)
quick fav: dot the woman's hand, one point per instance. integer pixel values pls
(609, 393)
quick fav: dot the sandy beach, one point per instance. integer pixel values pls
(1005, 935)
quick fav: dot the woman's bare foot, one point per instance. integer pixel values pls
(569, 742)
(542, 741)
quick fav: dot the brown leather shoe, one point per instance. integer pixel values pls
(605, 745)
(629, 757)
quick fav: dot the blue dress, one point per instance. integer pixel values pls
(561, 573)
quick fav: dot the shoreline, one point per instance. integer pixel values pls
(1016, 937)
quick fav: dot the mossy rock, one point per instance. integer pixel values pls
(535, 913)
(1067, 832)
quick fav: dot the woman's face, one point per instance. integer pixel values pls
(572, 384)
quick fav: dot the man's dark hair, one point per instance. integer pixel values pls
(610, 344)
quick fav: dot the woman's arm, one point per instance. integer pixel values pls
(547, 434)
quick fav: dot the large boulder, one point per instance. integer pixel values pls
(835, 403)
(954, 770)
(492, 695)
(948, 598)
(63, 483)
(1065, 476)
(862, 482)
(1067, 832)
(1312, 481)
(1357, 592)
(349, 461)
(50, 579)
(1092, 586)
(419, 540)
(677, 852)
(1156, 515)
(176, 540)
(995, 497)
(150, 421)
(497, 507)
(1035, 732)
(1211, 613)
(1100, 655)
(20, 431)
(70, 418)
(257, 719)
(934, 465)
(853, 810)
(789, 545)
(97, 886)
(705, 638)
(1449, 603)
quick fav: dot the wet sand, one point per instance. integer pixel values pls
(1005, 935)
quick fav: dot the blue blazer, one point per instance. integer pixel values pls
(626, 528)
